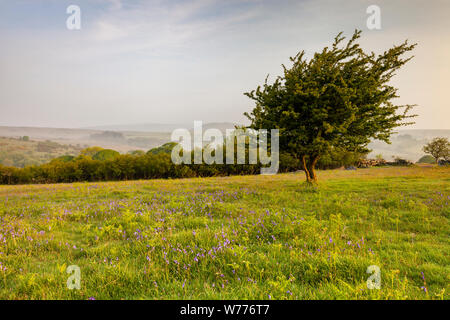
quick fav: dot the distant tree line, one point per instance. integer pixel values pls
(97, 164)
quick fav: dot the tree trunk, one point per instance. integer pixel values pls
(305, 168)
(310, 168)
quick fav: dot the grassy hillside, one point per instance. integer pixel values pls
(19, 153)
(129, 140)
(254, 237)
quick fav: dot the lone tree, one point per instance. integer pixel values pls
(338, 99)
(439, 148)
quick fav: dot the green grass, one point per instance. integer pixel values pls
(252, 237)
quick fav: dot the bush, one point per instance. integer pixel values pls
(109, 165)
(338, 158)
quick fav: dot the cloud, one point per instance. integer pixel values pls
(107, 31)
(180, 60)
(115, 4)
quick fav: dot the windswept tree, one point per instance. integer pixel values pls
(439, 148)
(339, 99)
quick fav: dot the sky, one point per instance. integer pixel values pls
(137, 61)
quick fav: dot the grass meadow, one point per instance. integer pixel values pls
(242, 237)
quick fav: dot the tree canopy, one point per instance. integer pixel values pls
(90, 151)
(106, 154)
(339, 99)
(165, 148)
